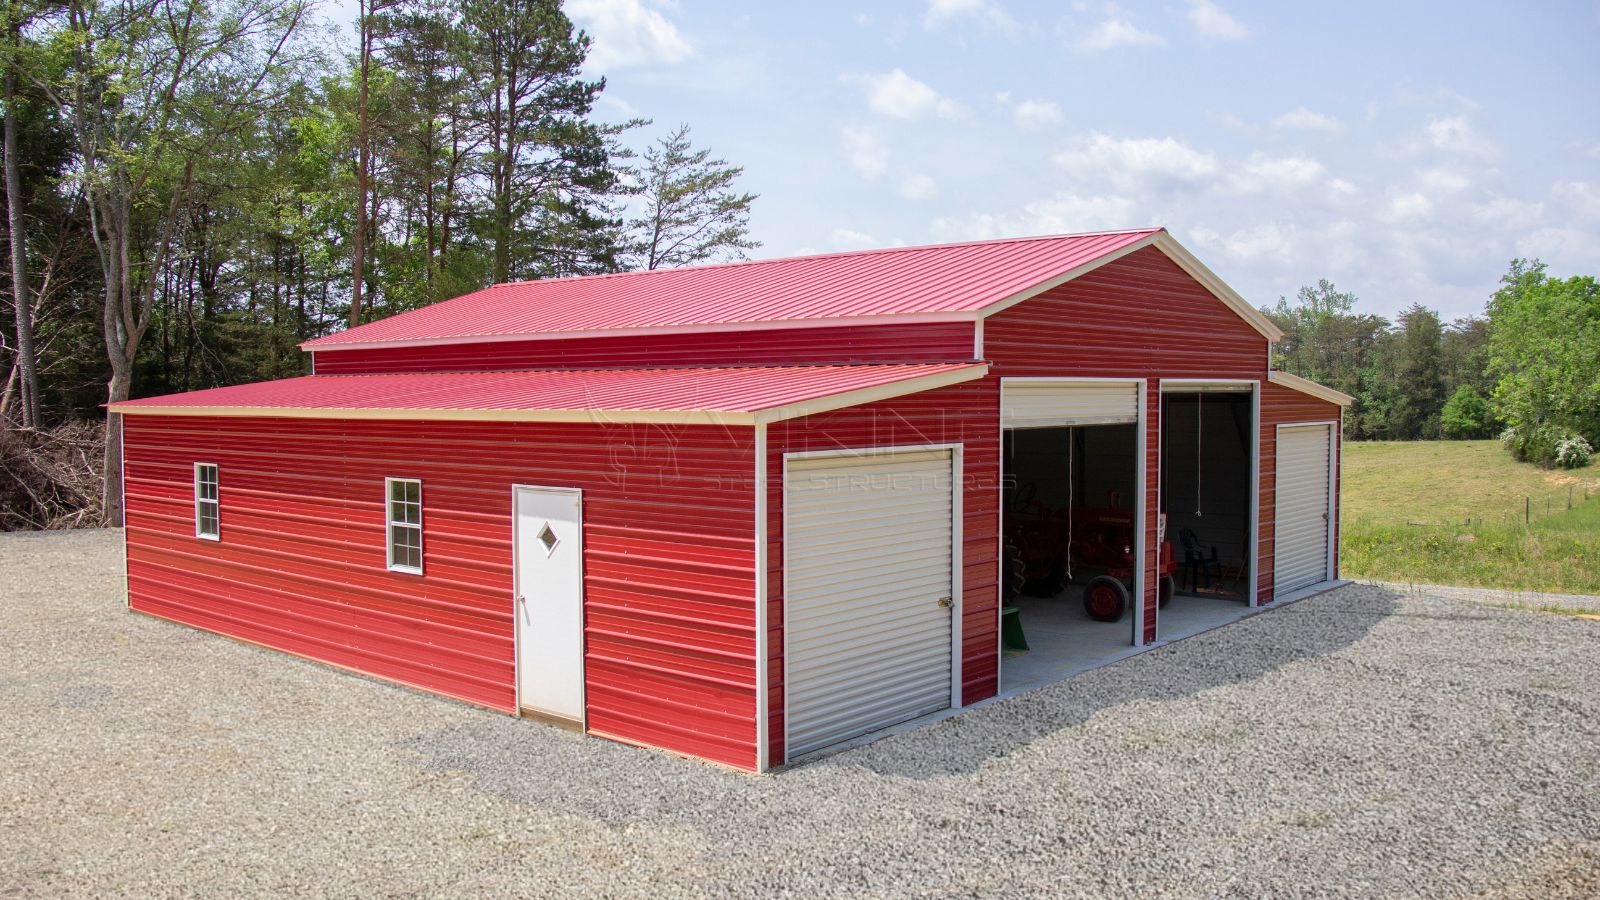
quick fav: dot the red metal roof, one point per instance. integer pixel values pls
(729, 395)
(953, 280)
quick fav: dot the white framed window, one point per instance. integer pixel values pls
(207, 505)
(404, 520)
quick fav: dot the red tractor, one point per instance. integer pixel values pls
(1041, 542)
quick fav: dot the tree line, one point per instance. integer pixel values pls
(1527, 370)
(194, 187)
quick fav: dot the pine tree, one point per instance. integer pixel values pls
(691, 214)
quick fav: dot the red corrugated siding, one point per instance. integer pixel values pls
(964, 414)
(669, 573)
(1281, 405)
(933, 342)
(1138, 317)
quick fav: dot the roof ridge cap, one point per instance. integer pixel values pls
(664, 368)
(872, 251)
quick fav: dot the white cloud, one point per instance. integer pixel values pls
(1113, 33)
(1278, 173)
(1037, 113)
(850, 239)
(1138, 164)
(918, 187)
(1407, 209)
(628, 33)
(1071, 212)
(900, 96)
(623, 107)
(1507, 212)
(1561, 247)
(1264, 242)
(1454, 134)
(1212, 21)
(1434, 225)
(1582, 196)
(863, 20)
(1441, 180)
(1306, 120)
(866, 152)
(1060, 214)
(986, 12)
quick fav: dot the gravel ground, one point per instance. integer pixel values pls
(1365, 741)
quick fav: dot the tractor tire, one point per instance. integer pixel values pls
(1105, 599)
(1165, 588)
(1015, 569)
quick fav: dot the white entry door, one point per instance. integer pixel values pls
(1302, 524)
(548, 536)
(868, 598)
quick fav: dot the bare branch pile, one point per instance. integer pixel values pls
(51, 478)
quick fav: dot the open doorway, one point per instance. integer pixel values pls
(1070, 540)
(1207, 500)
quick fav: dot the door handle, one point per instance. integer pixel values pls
(944, 603)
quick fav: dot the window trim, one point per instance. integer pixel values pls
(216, 502)
(389, 524)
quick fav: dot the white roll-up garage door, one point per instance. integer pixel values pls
(1301, 524)
(1054, 404)
(867, 593)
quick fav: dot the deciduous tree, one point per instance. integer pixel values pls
(22, 300)
(1544, 349)
(150, 88)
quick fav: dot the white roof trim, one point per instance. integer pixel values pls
(794, 410)
(1307, 386)
(873, 394)
(592, 416)
(1198, 271)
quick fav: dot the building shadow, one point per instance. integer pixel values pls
(1241, 652)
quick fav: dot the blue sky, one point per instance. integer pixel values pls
(1407, 151)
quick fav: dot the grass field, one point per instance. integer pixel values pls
(1407, 506)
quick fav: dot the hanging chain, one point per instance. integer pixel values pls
(1199, 452)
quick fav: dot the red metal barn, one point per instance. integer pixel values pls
(750, 512)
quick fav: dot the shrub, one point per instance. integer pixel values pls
(1466, 415)
(1549, 446)
(1573, 452)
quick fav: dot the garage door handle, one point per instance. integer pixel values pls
(944, 602)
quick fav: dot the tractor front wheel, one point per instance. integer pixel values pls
(1166, 587)
(1105, 598)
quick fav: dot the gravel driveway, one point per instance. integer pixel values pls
(1362, 742)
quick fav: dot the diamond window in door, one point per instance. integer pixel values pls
(547, 537)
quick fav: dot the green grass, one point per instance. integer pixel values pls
(1406, 505)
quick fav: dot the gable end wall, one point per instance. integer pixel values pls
(1138, 317)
